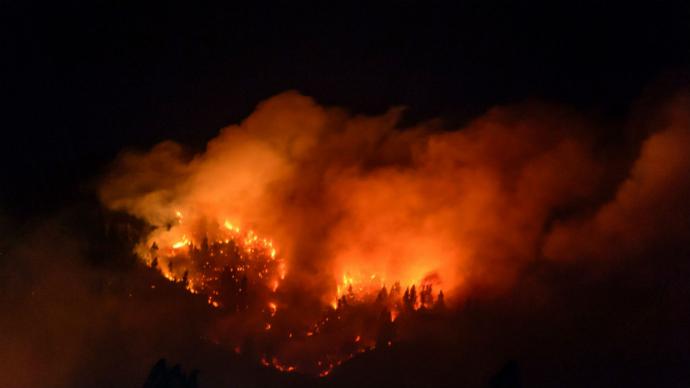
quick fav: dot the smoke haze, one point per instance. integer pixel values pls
(496, 210)
(467, 208)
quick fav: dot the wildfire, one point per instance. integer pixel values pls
(182, 243)
(277, 365)
(239, 272)
(303, 262)
(371, 222)
(229, 226)
(222, 264)
(364, 284)
(237, 268)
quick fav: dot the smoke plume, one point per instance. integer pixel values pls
(357, 197)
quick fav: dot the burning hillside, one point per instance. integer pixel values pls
(240, 274)
(318, 233)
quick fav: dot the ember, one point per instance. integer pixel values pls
(239, 271)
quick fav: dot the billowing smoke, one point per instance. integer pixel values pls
(356, 198)
(649, 208)
(517, 206)
(348, 205)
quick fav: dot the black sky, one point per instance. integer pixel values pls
(81, 81)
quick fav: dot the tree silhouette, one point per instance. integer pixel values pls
(185, 278)
(386, 329)
(507, 377)
(204, 248)
(340, 303)
(350, 293)
(162, 377)
(229, 288)
(440, 304)
(406, 299)
(426, 297)
(382, 297)
(413, 296)
(244, 293)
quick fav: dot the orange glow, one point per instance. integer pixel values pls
(229, 226)
(352, 202)
(182, 243)
(327, 215)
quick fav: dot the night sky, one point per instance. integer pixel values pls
(81, 81)
(85, 85)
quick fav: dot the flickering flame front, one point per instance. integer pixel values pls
(279, 224)
(240, 272)
(218, 267)
(182, 243)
